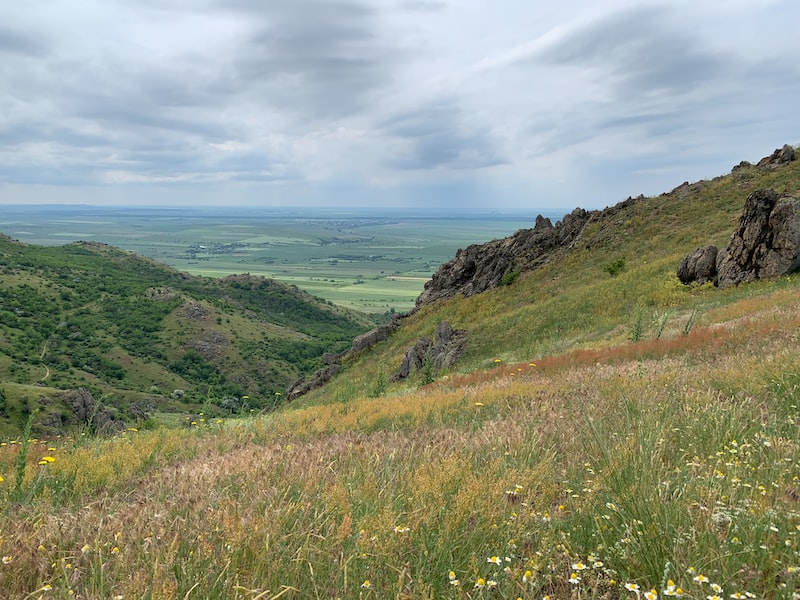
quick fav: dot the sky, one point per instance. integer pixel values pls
(451, 104)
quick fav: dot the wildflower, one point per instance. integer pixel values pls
(1, 479)
(6, 560)
(573, 578)
(86, 548)
(47, 588)
(480, 584)
(737, 596)
(527, 576)
(651, 595)
(632, 587)
(699, 578)
(716, 588)
(494, 559)
(579, 566)
(452, 577)
(402, 529)
(366, 584)
(491, 584)
(670, 589)
(597, 564)
(713, 597)
(115, 550)
(691, 570)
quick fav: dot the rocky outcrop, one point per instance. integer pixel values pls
(700, 266)
(478, 268)
(439, 353)
(781, 156)
(766, 242)
(86, 410)
(318, 379)
(370, 338)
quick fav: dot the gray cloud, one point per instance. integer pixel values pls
(437, 136)
(317, 59)
(397, 99)
(642, 50)
(15, 42)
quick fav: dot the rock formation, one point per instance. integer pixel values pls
(439, 353)
(766, 243)
(781, 156)
(318, 379)
(478, 268)
(700, 266)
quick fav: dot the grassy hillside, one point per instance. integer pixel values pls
(133, 331)
(609, 434)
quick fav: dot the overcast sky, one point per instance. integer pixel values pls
(485, 104)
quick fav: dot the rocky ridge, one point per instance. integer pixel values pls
(481, 267)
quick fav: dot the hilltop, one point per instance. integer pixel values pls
(606, 432)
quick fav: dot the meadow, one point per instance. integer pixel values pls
(372, 260)
(663, 467)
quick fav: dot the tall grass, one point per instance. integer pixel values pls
(560, 459)
(631, 467)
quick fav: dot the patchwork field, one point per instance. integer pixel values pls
(375, 262)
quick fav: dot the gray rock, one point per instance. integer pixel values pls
(440, 353)
(700, 266)
(766, 242)
(318, 379)
(781, 156)
(369, 339)
(481, 267)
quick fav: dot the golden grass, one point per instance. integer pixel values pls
(516, 461)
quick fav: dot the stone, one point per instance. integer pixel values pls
(442, 352)
(781, 156)
(699, 267)
(765, 244)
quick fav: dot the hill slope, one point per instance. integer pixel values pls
(609, 433)
(132, 331)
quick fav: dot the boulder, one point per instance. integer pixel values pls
(700, 266)
(766, 242)
(781, 156)
(369, 339)
(440, 353)
(318, 379)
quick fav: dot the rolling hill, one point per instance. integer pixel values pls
(605, 432)
(142, 338)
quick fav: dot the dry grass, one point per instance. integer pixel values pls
(692, 442)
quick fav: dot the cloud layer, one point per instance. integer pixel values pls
(505, 105)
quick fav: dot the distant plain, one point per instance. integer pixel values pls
(373, 260)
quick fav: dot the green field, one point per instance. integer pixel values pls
(375, 261)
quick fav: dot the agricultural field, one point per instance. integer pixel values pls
(376, 261)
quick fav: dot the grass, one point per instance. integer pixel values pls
(563, 457)
(651, 458)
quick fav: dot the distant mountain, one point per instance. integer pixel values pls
(140, 338)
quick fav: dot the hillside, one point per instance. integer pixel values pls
(142, 338)
(606, 432)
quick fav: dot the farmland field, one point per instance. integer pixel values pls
(369, 259)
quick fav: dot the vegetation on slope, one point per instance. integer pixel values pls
(132, 331)
(608, 435)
